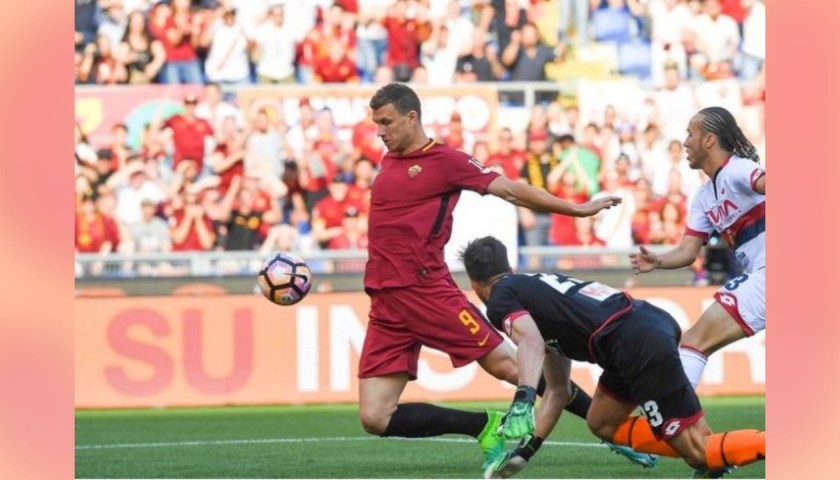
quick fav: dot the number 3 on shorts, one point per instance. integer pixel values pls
(652, 413)
(733, 284)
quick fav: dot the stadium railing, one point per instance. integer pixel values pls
(245, 263)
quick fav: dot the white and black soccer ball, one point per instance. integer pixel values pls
(285, 279)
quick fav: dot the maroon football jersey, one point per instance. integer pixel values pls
(411, 204)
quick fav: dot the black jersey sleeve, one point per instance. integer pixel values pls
(504, 305)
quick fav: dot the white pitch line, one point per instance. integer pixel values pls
(254, 441)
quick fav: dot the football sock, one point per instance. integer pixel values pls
(579, 402)
(415, 420)
(636, 433)
(530, 448)
(734, 448)
(693, 361)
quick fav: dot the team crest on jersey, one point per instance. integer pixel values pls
(414, 170)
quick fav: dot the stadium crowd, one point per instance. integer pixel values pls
(215, 177)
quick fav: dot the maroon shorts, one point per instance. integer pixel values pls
(436, 315)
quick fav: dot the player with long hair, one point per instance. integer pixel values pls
(731, 203)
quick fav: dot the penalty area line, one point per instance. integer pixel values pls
(259, 441)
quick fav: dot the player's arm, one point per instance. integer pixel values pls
(557, 370)
(759, 185)
(530, 354)
(525, 195)
(682, 256)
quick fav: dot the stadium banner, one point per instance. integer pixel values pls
(476, 104)
(98, 109)
(243, 350)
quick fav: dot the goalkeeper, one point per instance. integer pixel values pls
(553, 318)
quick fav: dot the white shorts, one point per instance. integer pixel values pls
(743, 298)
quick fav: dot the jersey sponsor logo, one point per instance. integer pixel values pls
(671, 428)
(484, 340)
(475, 163)
(721, 212)
(414, 170)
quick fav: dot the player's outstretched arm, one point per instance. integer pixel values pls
(682, 256)
(558, 390)
(519, 420)
(527, 196)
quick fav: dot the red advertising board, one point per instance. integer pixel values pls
(241, 349)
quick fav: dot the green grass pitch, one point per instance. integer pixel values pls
(328, 442)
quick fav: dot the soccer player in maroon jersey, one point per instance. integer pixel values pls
(414, 300)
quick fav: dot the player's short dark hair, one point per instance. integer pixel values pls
(484, 258)
(402, 97)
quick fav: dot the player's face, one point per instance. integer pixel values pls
(694, 151)
(394, 128)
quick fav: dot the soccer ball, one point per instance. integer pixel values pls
(285, 279)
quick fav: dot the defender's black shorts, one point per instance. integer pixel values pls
(643, 367)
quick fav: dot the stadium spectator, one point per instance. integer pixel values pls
(229, 46)
(149, 234)
(673, 223)
(243, 223)
(753, 47)
(95, 232)
(502, 17)
(613, 227)
(315, 47)
(118, 146)
(525, 56)
(642, 226)
(716, 43)
(481, 64)
(582, 161)
(275, 46)
(190, 228)
(671, 22)
(352, 236)
(188, 134)
(337, 67)
(179, 31)
(405, 35)
(366, 143)
(539, 162)
(674, 102)
(141, 55)
(113, 22)
(227, 159)
(568, 187)
(131, 186)
(581, 20)
(328, 213)
(674, 160)
(439, 55)
(216, 110)
(371, 36)
(99, 65)
(87, 17)
(506, 155)
(358, 194)
(616, 20)
(264, 152)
